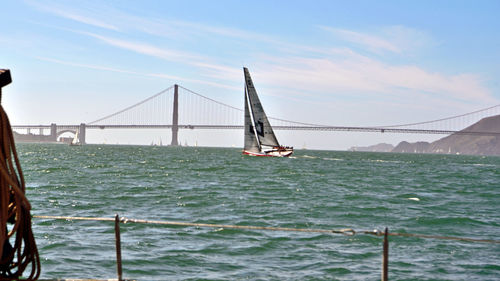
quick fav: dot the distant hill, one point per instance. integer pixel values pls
(462, 143)
(416, 147)
(381, 147)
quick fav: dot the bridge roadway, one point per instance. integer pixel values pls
(291, 128)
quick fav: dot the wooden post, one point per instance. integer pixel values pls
(385, 257)
(118, 248)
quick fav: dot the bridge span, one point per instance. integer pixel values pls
(57, 130)
(177, 108)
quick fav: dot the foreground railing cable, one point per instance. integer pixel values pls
(344, 231)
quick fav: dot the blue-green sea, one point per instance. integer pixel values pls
(446, 195)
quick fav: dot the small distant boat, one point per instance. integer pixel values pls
(259, 135)
(76, 140)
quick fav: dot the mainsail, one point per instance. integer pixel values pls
(251, 142)
(75, 140)
(258, 130)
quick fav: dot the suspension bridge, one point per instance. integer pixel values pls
(177, 108)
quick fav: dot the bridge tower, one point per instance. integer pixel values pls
(81, 132)
(175, 117)
(53, 132)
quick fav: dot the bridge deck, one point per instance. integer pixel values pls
(290, 128)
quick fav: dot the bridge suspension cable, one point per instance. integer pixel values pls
(132, 106)
(199, 111)
(212, 100)
(443, 119)
(318, 126)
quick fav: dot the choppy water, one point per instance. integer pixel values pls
(457, 196)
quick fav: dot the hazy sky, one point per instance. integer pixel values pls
(345, 63)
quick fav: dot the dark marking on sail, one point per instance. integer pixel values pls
(260, 128)
(249, 83)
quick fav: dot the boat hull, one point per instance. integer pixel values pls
(270, 153)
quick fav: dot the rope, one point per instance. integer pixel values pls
(444, 237)
(344, 231)
(14, 210)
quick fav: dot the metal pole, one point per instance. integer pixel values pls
(118, 248)
(385, 257)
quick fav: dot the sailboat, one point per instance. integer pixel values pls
(259, 135)
(76, 140)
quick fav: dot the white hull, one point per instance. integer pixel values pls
(270, 153)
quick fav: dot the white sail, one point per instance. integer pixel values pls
(263, 130)
(75, 139)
